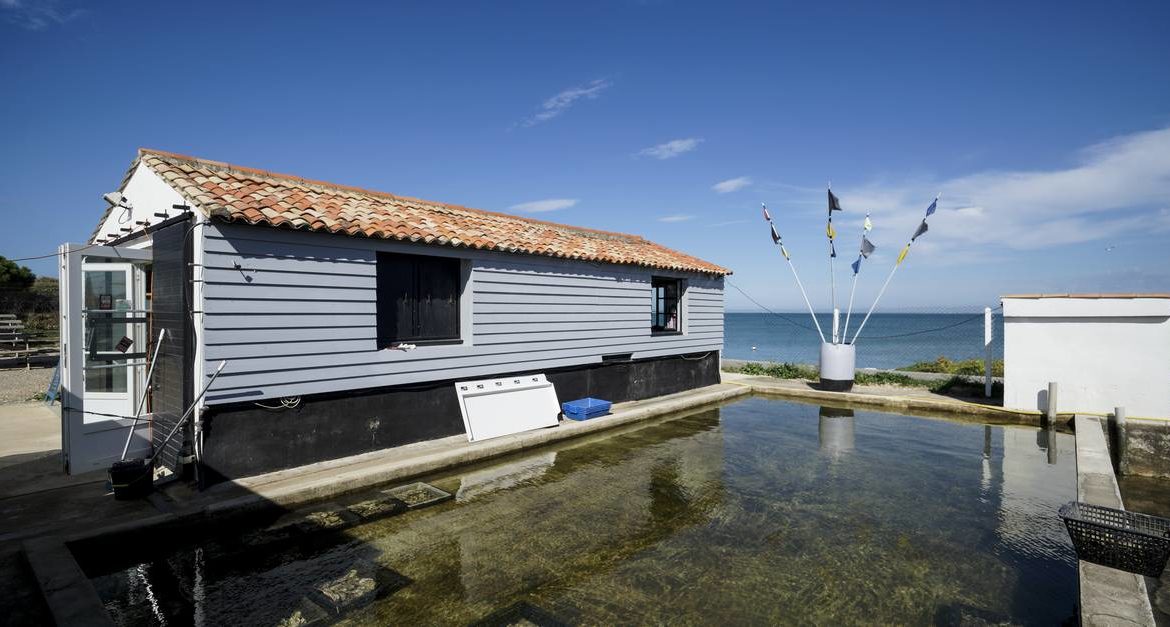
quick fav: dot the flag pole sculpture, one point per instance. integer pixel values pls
(918, 232)
(838, 357)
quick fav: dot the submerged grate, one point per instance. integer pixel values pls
(379, 507)
(420, 494)
(360, 585)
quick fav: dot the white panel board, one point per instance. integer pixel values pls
(496, 407)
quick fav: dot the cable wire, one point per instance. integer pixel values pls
(757, 303)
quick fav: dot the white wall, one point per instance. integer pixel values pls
(148, 194)
(1102, 351)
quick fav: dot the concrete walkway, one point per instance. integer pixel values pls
(36, 496)
(1108, 596)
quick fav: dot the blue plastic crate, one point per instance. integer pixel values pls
(585, 408)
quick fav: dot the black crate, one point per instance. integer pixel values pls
(1137, 543)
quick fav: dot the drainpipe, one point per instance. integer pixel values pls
(197, 263)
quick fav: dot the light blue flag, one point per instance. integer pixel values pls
(856, 265)
(931, 209)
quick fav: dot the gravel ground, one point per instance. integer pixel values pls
(18, 385)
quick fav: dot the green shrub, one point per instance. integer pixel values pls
(946, 366)
(780, 371)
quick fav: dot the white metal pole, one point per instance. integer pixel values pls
(987, 335)
(145, 390)
(875, 302)
(832, 277)
(836, 324)
(849, 309)
(805, 295)
(190, 409)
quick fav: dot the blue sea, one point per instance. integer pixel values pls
(889, 340)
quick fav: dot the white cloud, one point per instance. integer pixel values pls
(672, 148)
(37, 14)
(561, 102)
(1114, 188)
(678, 217)
(548, 204)
(732, 185)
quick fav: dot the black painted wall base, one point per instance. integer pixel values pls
(242, 439)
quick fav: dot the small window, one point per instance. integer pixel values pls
(418, 299)
(665, 313)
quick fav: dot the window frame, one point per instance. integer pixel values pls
(384, 335)
(657, 282)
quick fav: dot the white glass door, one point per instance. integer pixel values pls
(113, 337)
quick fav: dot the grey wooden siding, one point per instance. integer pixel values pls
(294, 313)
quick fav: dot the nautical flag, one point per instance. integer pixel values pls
(830, 231)
(832, 249)
(856, 265)
(766, 215)
(902, 255)
(834, 204)
(775, 235)
(868, 226)
(867, 247)
(931, 209)
(784, 251)
(922, 228)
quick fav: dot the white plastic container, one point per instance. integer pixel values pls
(838, 364)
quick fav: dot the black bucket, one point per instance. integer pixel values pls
(131, 479)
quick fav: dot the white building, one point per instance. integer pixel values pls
(1103, 351)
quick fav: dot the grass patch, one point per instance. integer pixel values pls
(963, 366)
(954, 386)
(780, 371)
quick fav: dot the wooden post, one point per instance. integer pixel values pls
(987, 352)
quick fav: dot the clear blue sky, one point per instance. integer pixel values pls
(1044, 125)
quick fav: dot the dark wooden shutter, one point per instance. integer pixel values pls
(396, 297)
(418, 298)
(438, 298)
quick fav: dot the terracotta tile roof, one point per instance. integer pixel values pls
(253, 196)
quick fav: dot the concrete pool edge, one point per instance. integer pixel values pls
(799, 391)
(299, 486)
(1107, 596)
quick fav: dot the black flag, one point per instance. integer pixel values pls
(922, 228)
(775, 235)
(834, 204)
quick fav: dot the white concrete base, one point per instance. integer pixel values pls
(838, 363)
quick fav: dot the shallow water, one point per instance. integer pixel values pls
(760, 511)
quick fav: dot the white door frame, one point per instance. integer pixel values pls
(74, 429)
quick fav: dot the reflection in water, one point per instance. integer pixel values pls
(835, 431)
(477, 483)
(986, 483)
(752, 513)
